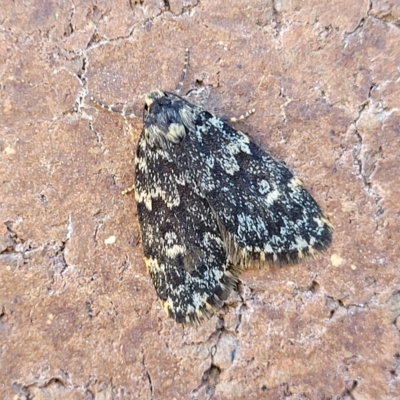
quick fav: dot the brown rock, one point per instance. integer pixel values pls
(79, 317)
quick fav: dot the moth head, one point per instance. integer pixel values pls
(151, 97)
(162, 118)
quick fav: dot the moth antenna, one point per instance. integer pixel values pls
(183, 74)
(243, 116)
(117, 109)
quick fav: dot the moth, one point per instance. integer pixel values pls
(211, 203)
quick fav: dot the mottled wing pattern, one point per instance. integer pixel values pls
(183, 247)
(264, 213)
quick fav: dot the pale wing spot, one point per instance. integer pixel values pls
(199, 300)
(141, 164)
(170, 238)
(271, 197)
(268, 249)
(176, 133)
(264, 186)
(217, 122)
(148, 203)
(277, 240)
(238, 147)
(322, 223)
(295, 184)
(228, 163)
(243, 137)
(143, 145)
(299, 244)
(210, 161)
(151, 264)
(175, 250)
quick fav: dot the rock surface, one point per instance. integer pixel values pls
(79, 318)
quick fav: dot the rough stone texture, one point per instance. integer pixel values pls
(79, 318)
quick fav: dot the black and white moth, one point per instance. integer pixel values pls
(211, 203)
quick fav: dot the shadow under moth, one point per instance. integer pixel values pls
(211, 203)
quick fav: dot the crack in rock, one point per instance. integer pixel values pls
(148, 376)
(367, 160)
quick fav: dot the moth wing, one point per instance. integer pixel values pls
(184, 251)
(264, 213)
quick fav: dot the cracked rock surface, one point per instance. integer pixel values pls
(79, 318)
